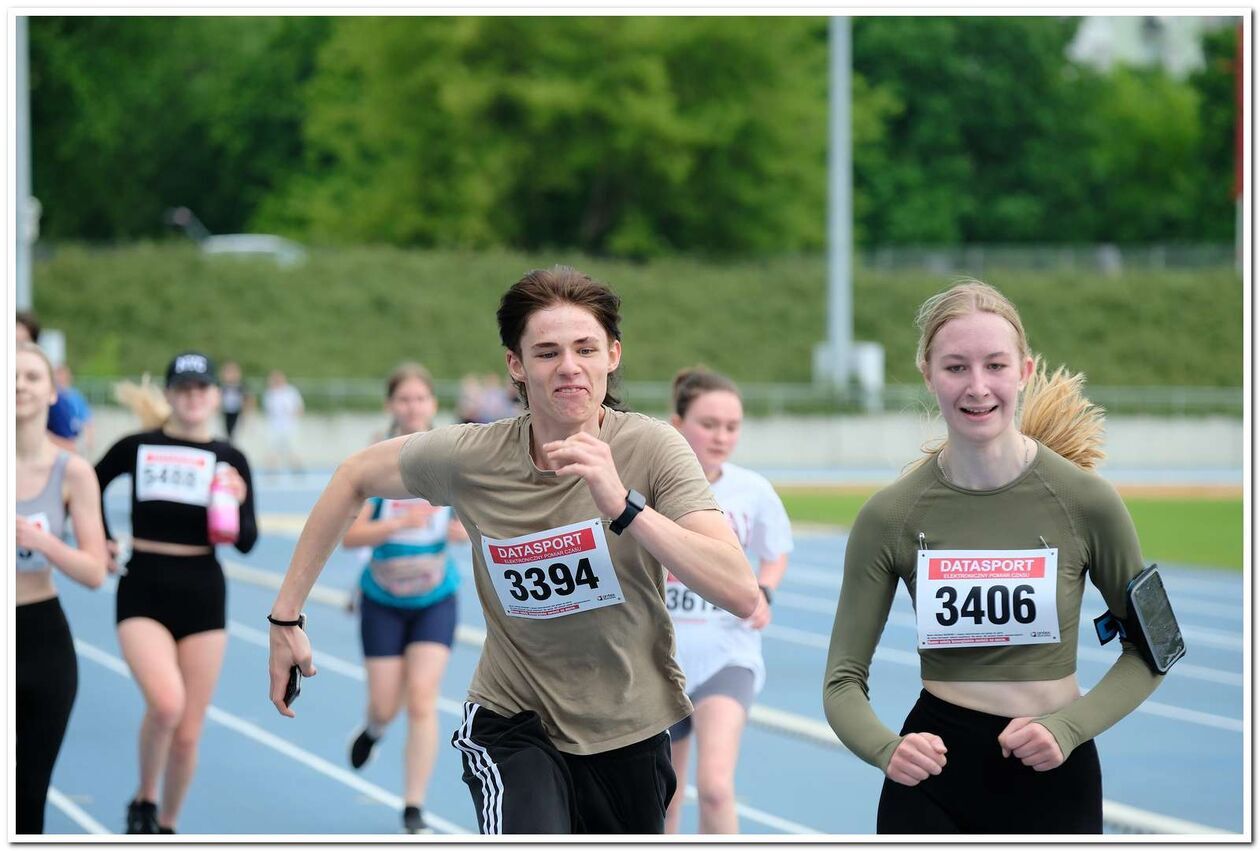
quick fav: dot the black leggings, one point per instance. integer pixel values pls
(980, 791)
(47, 679)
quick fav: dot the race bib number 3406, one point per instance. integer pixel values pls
(555, 573)
(981, 598)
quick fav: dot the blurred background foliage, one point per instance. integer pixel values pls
(626, 137)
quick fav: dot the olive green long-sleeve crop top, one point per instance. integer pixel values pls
(1070, 509)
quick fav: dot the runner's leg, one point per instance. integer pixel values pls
(200, 661)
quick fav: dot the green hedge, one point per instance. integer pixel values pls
(356, 312)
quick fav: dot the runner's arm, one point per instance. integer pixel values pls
(374, 471)
(866, 596)
(1115, 557)
(86, 563)
(366, 532)
(702, 551)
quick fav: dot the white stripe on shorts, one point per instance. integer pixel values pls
(484, 770)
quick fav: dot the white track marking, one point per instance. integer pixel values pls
(76, 813)
(285, 748)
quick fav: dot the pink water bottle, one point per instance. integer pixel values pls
(224, 514)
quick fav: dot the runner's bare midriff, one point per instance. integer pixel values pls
(35, 586)
(167, 549)
(1008, 699)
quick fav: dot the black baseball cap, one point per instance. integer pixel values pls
(191, 367)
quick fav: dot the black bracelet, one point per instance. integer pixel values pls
(765, 592)
(275, 622)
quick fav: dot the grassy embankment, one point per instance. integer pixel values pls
(355, 312)
(1175, 527)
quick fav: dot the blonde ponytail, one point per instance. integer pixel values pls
(145, 400)
(1056, 412)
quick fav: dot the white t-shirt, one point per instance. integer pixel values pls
(710, 639)
(282, 405)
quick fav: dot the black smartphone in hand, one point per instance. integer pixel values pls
(294, 687)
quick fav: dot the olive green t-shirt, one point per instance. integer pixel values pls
(1051, 504)
(600, 679)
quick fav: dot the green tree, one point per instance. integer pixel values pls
(1141, 167)
(133, 115)
(964, 155)
(1218, 113)
(631, 136)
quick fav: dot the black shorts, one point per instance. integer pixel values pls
(387, 630)
(185, 594)
(981, 791)
(521, 783)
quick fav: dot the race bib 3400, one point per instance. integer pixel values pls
(555, 573)
(981, 598)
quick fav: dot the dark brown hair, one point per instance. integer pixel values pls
(695, 381)
(541, 289)
(27, 319)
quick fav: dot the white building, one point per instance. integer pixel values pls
(1170, 41)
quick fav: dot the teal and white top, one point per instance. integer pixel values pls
(413, 568)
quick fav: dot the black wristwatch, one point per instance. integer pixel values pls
(635, 502)
(767, 593)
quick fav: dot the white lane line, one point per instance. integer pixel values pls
(1211, 637)
(1215, 610)
(75, 812)
(456, 708)
(911, 660)
(263, 737)
(818, 732)
(803, 638)
(1146, 822)
(1192, 716)
(691, 795)
(323, 766)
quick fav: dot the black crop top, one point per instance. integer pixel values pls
(170, 486)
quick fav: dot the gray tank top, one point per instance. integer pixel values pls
(47, 510)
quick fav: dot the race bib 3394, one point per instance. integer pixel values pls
(554, 573)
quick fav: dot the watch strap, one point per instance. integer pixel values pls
(635, 502)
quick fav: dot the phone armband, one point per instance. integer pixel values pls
(1151, 625)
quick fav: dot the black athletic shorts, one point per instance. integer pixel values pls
(185, 594)
(521, 783)
(981, 791)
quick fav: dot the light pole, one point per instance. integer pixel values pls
(840, 210)
(24, 232)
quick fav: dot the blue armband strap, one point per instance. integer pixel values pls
(1108, 626)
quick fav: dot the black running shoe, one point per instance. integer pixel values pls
(413, 821)
(361, 748)
(142, 817)
(162, 829)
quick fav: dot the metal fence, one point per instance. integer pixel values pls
(760, 399)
